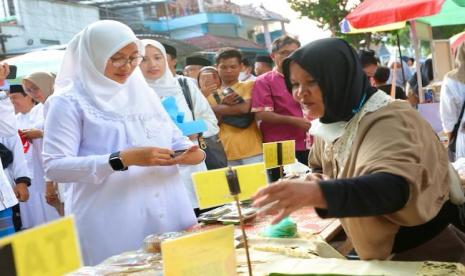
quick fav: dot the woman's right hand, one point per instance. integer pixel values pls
(31, 134)
(4, 71)
(147, 156)
(208, 89)
(287, 196)
(51, 193)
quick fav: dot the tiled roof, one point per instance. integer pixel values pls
(258, 11)
(182, 48)
(212, 43)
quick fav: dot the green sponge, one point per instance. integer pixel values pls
(286, 228)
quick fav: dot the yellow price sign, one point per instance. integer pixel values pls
(51, 249)
(278, 154)
(209, 252)
(211, 187)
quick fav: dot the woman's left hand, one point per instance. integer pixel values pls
(32, 133)
(51, 193)
(21, 192)
(287, 196)
(190, 156)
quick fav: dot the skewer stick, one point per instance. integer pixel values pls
(235, 190)
(244, 236)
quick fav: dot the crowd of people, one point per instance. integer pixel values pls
(102, 147)
(95, 141)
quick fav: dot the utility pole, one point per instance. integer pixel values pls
(3, 38)
(4, 9)
(2, 41)
(106, 10)
(167, 16)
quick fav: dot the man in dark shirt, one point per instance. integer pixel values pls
(381, 77)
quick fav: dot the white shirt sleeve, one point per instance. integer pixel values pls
(19, 166)
(8, 125)
(450, 104)
(202, 109)
(63, 130)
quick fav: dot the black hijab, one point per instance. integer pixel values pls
(336, 67)
(426, 70)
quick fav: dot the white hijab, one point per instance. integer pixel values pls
(167, 85)
(83, 67)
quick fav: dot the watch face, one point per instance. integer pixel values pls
(116, 163)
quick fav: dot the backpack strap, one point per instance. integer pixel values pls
(187, 94)
(457, 124)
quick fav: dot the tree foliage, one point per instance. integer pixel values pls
(328, 14)
(442, 32)
(445, 32)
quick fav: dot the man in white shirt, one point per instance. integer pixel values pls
(7, 129)
(193, 66)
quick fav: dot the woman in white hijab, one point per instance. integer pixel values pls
(36, 211)
(8, 128)
(109, 138)
(452, 102)
(156, 71)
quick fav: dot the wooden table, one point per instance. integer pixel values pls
(307, 220)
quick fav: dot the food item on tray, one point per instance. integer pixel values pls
(286, 228)
(129, 263)
(233, 217)
(213, 215)
(152, 243)
(228, 213)
(296, 248)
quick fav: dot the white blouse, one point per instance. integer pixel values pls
(36, 210)
(7, 129)
(202, 109)
(452, 100)
(18, 168)
(114, 211)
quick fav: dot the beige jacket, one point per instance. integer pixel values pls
(393, 139)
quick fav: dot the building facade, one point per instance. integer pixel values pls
(32, 24)
(208, 24)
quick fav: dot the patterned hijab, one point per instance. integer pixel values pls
(459, 72)
(43, 80)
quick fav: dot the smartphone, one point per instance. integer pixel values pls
(12, 74)
(227, 91)
(177, 153)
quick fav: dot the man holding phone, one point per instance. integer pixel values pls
(235, 101)
(280, 115)
(8, 128)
